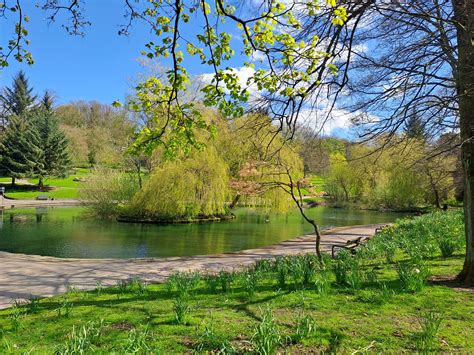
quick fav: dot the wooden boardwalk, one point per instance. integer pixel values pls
(25, 276)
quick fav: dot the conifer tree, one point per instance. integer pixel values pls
(19, 153)
(415, 127)
(18, 99)
(52, 142)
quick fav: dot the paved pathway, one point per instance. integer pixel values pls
(8, 203)
(25, 276)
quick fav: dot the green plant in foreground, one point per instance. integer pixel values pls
(33, 305)
(212, 282)
(250, 281)
(266, 338)
(15, 315)
(305, 327)
(209, 340)
(412, 276)
(82, 341)
(181, 308)
(323, 283)
(138, 341)
(447, 246)
(430, 323)
(183, 282)
(226, 278)
(138, 286)
(99, 287)
(65, 308)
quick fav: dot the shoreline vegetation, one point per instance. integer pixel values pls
(395, 294)
(178, 220)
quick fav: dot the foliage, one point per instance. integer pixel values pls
(54, 158)
(266, 338)
(108, 190)
(430, 323)
(187, 188)
(19, 98)
(19, 153)
(394, 175)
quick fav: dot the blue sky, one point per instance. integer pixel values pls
(98, 66)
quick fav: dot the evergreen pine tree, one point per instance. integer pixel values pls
(19, 152)
(18, 99)
(415, 128)
(54, 158)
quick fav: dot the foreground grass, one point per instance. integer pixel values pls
(344, 318)
(279, 305)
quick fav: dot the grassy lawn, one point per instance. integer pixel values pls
(357, 303)
(57, 188)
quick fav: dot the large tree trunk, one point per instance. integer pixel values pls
(464, 16)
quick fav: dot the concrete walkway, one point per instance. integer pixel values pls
(25, 276)
(6, 203)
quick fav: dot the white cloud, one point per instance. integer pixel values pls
(243, 73)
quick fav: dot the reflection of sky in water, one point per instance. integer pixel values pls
(66, 232)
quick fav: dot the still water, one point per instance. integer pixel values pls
(69, 233)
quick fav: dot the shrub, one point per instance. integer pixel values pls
(107, 191)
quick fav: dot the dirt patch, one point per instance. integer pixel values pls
(449, 281)
(122, 326)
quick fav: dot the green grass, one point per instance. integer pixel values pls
(379, 316)
(57, 188)
(386, 327)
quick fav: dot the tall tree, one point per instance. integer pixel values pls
(19, 98)
(414, 127)
(19, 154)
(52, 142)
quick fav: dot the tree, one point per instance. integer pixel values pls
(52, 143)
(18, 99)
(19, 153)
(414, 127)
(425, 55)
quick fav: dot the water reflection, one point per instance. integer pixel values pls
(68, 232)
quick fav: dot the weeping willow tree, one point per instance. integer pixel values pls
(193, 187)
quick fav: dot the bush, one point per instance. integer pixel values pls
(108, 191)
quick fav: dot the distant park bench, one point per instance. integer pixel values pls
(349, 245)
(352, 244)
(42, 198)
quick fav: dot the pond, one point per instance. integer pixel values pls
(68, 232)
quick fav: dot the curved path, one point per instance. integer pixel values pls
(26, 276)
